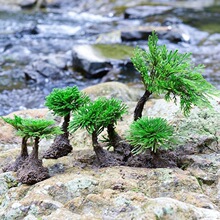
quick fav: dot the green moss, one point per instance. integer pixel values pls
(114, 51)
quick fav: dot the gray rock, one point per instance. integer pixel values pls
(40, 72)
(113, 90)
(145, 11)
(97, 60)
(173, 34)
(27, 3)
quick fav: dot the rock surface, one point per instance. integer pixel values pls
(95, 61)
(78, 190)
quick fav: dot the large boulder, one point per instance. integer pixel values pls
(114, 193)
(76, 186)
(95, 61)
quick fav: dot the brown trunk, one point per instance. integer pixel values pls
(34, 153)
(24, 151)
(61, 145)
(140, 105)
(121, 147)
(97, 148)
(66, 124)
(113, 136)
(20, 159)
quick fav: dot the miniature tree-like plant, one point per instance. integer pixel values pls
(32, 170)
(171, 73)
(16, 122)
(150, 133)
(155, 135)
(95, 117)
(62, 102)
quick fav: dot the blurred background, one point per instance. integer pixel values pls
(57, 43)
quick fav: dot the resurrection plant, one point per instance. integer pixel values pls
(95, 117)
(61, 102)
(173, 74)
(16, 122)
(32, 170)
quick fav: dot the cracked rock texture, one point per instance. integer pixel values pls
(78, 190)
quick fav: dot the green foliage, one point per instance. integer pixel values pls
(16, 122)
(150, 133)
(29, 127)
(97, 115)
(63, 101)
(38, 128)
(173, 74)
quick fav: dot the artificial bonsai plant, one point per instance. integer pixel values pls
(62, 102)
(95, 117)
(16, 122)
(152, 134)
(170, 73)
(32, 170)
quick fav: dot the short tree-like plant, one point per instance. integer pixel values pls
(16, 122)
(32, 170)
(95, 117)
(173, 74)
(150, 133)
(61, 102)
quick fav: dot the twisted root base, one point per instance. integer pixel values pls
(61, 147)
(32, 171)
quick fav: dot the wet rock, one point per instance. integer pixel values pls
(60, 61)
(40, 72)
(27, 31)
(28, 3)
(173, 34)
(17, 54)
(97, 60)
(12, 79)
(170, 21)
(109, 38)
(145, 11)
(25, 99)
(57, 30)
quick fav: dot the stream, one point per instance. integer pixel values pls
(36, 44)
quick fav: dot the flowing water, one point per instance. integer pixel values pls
(27, 36)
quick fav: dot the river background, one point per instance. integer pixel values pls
(34, 40)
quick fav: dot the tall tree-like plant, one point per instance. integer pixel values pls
(16, 123)
(32, 170)
(173, 74)
(95, 117)
(61, 102)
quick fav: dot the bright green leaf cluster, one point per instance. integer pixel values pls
(63, 101)
(97, 115)
(150, 133)
(38, 128)
(29, 127)
(172, 73)
(16, 122)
